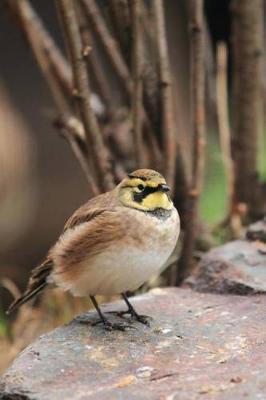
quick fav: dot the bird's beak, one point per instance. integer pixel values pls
(164, 188)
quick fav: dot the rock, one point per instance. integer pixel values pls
(237, 267)
(199, 346)
(257, 231)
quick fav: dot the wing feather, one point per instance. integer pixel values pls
(92, 227)
(37, 282)
(85, 240)
(90, 210)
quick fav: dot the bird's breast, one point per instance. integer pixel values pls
(128, 262)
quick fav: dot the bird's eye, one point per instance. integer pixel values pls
(140, 187)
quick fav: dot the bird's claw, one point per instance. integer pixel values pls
(110, 326)
(143, 319)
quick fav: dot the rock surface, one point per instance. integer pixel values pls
(237, 267)
(199, 346)
(257, 231)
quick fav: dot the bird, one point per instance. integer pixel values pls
(112, 244)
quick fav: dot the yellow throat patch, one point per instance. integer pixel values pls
(144, 195)
(157, 200)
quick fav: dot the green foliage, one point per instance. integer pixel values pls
(262, 157)
(4, 328)
(214, 195)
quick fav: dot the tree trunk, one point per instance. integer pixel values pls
(247, 17)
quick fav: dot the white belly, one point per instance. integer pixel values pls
(119, 270)
(125, 265)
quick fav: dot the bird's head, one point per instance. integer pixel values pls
(145, 190)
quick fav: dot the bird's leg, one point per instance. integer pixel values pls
(106, 323)
(131, 310)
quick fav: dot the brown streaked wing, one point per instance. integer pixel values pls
(90, 210)
(88, 239)
(37, 281)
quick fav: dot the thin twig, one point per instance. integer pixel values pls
(120, 18)
(57, 74)
(82, 93)
(122, 26)
(223, 119)
(89, 53)
(49, 55)
(109, 43)
(72, 129)
(137, 78)
(148, 22)
(52, 63)
(9, 285)
(30, 21)
(168, 123)
(198, 120)
(112, 51)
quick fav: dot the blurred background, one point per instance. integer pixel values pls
(41, 181)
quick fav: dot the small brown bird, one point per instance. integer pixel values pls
(112, 244)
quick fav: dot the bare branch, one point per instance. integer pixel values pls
(51, 61)
(112, 51)
(108, 42)
(72, 129)
(94, 138)
(198, 92)
(223, 118)
(54, 68)
(247, 46)
(168, 123)
(120, 17)
(137, 103)
(198, 119)
(89, 53)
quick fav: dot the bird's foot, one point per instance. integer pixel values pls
(143, 319)
(111, 326)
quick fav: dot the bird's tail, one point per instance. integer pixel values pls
(37, 281)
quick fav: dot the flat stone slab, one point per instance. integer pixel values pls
(199, 346)
(237, 267)
(257, 231)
